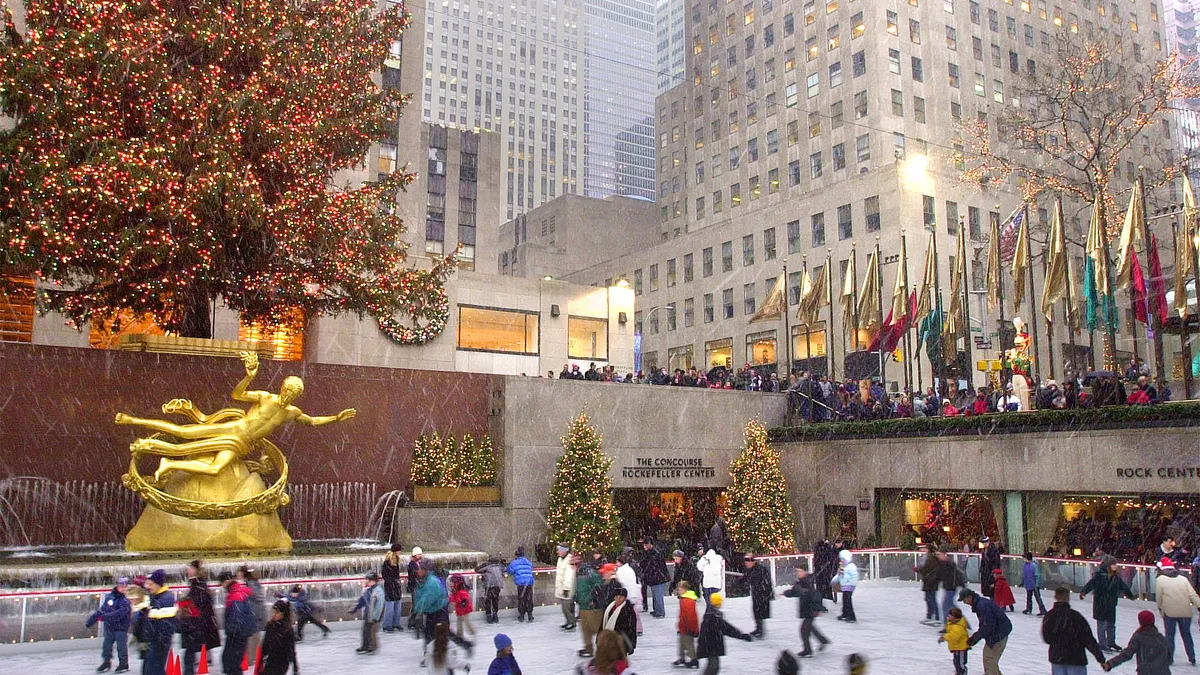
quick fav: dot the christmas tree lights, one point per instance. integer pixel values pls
(445, 461)
(581, 512)
(168, 154)
(759, 513)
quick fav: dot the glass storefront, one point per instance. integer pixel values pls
(680, 358)
(680, 518)
(718, 353)
(1129, 527)
(497, 330)
(960, 518)
(808, 348)
(587, 338)
(760, 348)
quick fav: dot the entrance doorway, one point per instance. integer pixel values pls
(841, 524)
(680, 518)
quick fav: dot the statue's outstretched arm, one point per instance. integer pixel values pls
(239, 392)
(326, 419)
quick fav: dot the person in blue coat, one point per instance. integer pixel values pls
(504, 663)
(1031, 579)
(521, 570)
(993, 629)
(115, 613)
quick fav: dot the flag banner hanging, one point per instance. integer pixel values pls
(1057, 265)
(928, 282)
(1131, 236)
(1020, 263)
(775, 304)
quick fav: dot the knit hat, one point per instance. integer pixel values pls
(371, 576)
(621, 590)
(607, 568)
(787, 664)
(964, 594)
(396, 548)
(1166, 564)
(715, 599)
(123, 581)
(158, 576)
(1145, 618)
(677, 554)
(502, 641)
(563, 549)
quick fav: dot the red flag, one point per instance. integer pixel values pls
(883, 334)
(1158, 284)
(1138, 288)
(896, 331)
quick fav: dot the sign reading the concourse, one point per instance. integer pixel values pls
(668, 468)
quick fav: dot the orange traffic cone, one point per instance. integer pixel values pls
(245, 664)
(258, 661)
(202, 668)
(173, 665)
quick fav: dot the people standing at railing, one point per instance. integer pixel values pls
(1176, 599)
(1107, 587)
(564, 584)
(847, 581)
(114, 614)
(758, 582)
(521, 570)
(712, 568)
(161, 623)
(389, 571)
(1031, 579)
(993, 631)
(1069, 636)
(197, 618)
(809, 606)
(493, 580)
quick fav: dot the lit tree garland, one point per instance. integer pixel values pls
(444, 461)
(167, 154)
(759, 512)
(581, 512)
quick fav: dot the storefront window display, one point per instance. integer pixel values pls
(960, 518)
(679, 518)
(1129, 527)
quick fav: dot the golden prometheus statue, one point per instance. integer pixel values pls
(208, 493)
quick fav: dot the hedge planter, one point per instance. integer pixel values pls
(456, 495)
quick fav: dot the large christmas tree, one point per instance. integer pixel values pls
(166, 154)
(581, 512)
(759, 512)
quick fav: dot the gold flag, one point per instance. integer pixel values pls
(806, 291)
(1057, 265)
(818, 296)
(928, 282)
(1020, 263)
(775, 304)
(1184, 251)
(954, 312)
(848, 322)
(1095, 250)
(900, 291)
(868, 295)
(992, 272)
(1131, 235)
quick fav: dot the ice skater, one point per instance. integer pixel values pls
(564, 584)
(460, 598)
(993, 631)
(1107, 587)
(279, 642)
(504, 663)
(197, 618)
(305, 612)
(956, 636)
(492, 571)
(688, 626)
(810, 603)
(1002, 592)
(712, 568)
(620, 618)
(445, 658)
(1148, 646)
(115, 614)
(392, 597)
(521, 570)
(847, 580)
(1031, 579)
(758, 580)
(240, 622)
(371, 603)
(713, 631)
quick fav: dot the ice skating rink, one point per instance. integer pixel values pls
(888, 632)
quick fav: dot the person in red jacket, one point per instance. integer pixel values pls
(980, 406)
(1003, 595)
(460, 597)
(688, 626)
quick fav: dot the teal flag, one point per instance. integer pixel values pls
(930, 333)
(1093, 298)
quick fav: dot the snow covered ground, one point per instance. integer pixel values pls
(888, 632)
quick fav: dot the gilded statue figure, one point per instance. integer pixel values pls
(207, 492)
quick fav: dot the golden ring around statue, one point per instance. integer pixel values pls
(265, 502)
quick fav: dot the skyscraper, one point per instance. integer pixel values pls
(669, 31)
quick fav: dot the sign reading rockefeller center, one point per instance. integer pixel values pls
(668, 467)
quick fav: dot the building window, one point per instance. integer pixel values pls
(727, 256)
(637, 282)
(748, 250)
(919, 109)
(708, 308)
(769, 243)
(952, 74)
(862, 147)
(735, 195)
(653, 278)
(727, 303)
(897, 103)
(814, 165)
(839, 156)
(974, 226)
(951, 217)
(818, 230)
(871, 209)
(719, 353)
(894, 61)
(760, 348)
(813, 85)
(749, 302)
(793, 236)
(929, 217)
(17, 303)
(859, 63)
(773, 181)
(914, 31)
(689, 312)
(587, 338)
(671, 273)
(497, 330)
(286, 339)
(688, 272)
(899, 146)
(671, 317)
(794, 172)
(706, 262)
(845, 222)
(860, 105)
(793, 290)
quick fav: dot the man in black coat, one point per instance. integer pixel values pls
(809, 606)
(713, 631)
(685, 570)
(928, 573)
(758, 581)
(990, 560)
(825, 564)
(1068, 633)
(655, 575)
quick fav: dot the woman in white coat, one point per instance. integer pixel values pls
(712, 566)
(627, 577)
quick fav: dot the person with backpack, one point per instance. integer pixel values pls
(713, 631)
(1148, 646)
(115, 614)
(521, 570)
(810, 603)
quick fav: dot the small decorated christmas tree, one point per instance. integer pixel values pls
(759, 512)
(581, 512)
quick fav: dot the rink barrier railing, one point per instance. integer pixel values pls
(37, 615)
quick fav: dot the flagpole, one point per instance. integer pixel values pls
(1185, 333)
(829, 351)
(907, 359)
(1037, 369)
(1152, 323)
(1195, 253)
(854, 304)
(1004, 381)
(1049, 319)
(807, 344)
(935, 372)
(1069, 311)
(879, 292)
(966, 304)
(787, 332)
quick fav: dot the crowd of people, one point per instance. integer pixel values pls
(1132, 535)
(599, 596)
